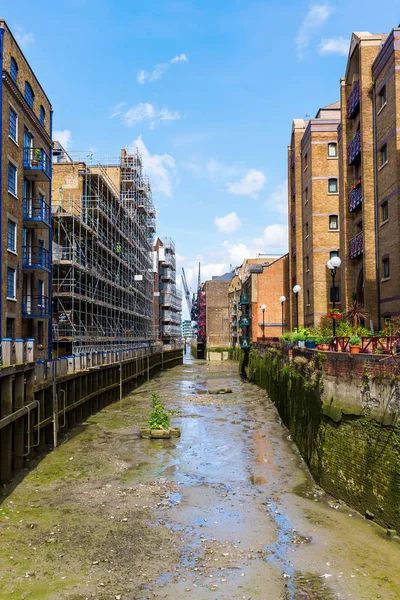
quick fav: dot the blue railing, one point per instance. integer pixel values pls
(354, 148)
(37, 210)
(353, 103)
(35, 257)
(355, 198)
(35, 307)
(36, 159)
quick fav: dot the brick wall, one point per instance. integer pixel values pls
(217, 313)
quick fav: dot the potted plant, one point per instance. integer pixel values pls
(334, 313)
(36, 157)
(299, 338)
(159, 422)
(355, 344)
(323, 342)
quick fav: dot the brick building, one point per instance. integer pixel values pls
(320, 211)
(167, 298)
(25, 199)
(217, 310)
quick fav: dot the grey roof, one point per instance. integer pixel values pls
(331, 106)
(224, 277)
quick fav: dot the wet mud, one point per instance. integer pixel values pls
(227, 511)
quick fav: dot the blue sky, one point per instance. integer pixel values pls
(208, 89)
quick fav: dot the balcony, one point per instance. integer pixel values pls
(35, 258)
(244, 322)
(35, 307)
(244, 342)
(355, 198)
(356, 245)
(36, 213)
(293, 189)
(353, 103)
(294, 249)
(168, 274)
(293, 219)
(244, 299)
(354, 149)
(37, 164)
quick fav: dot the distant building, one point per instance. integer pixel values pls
(25, 200)
(187, 329)
(167, 298)
(217, 317)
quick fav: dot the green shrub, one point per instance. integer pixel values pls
(324, 339)
(355, 340)
(158, 418)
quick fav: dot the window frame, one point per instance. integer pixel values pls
(10, 333)
(29, 94)
(15, 191)
(14, 112)
(306, 230)
(337, 222)
(306, 161)
(331, 179)
(386, 267)
(13, 69)
(307, 264)
(383, 152)
(384, 211)
(333, 253)
(14, 249)
(14, 271)
(40, 333)
(382, 96)
(42, 115)
(334, 145)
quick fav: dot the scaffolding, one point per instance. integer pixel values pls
(102, 255)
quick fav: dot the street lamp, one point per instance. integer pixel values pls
(296, 290)
(263, 307)
(333, 264)
(282, 301)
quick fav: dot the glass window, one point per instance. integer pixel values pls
(305, 161)
(13, 69)
(333, 222)
(42, 115)
(11, 283)
(385, 211)
(306, 230)
(40, 292)
(332, 149)
(307, 263)
(306, 195)
(12, 178)
(29, 95)
(382, 97)
(384, 154)
(386, 267)
(12, 236)
(332, 186)
(308, 297)
(335, 291)
(13, 125)
(10, 328)
(40, 333)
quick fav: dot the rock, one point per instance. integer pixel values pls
(369, 515)
(391, 533)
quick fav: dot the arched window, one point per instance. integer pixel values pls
(29, 95)
(42, 115)
(13, 69)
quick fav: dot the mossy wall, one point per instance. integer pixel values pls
(353, 455)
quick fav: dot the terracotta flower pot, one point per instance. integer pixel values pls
(325, 347)
(34, 162)
(355, 349)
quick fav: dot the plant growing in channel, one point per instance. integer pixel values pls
(159, 418)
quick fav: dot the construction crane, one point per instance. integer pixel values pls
(187, 292)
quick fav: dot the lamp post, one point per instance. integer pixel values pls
(282, 301)
(296, 291)
(263, 307)
(333, 264)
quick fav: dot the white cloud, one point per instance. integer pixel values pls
(144, 111)
(249, 185)
(316, 16)
(64, 137)
(159, 69)
(228, 224)
(278, 200)
(24, 38)
(179, 58)
(334, 46)
(274, 240)
(117, 109)
(159, 167)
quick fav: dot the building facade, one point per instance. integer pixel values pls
(217, 317)
(25, 200)
(103, 227)
(167, 298)
(320, 213)
(187, 330)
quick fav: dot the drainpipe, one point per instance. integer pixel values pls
(376, 207)
(50, 277)
(1, 184)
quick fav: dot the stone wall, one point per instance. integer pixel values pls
(342, 412)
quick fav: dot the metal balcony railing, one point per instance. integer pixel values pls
(35, 307)
(244, 299)
(37, 162)
(244, 322)
(293, 219)
(355, 198)
(36, 212)
(354, 148)
(244, 341)
(356, 245)
(353, 103)
(35, 257)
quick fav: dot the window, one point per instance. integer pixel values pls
(384, 154)
(13, 69)
(333, 222)
(335, 291)
(306, 196)
(29, 95)
(332, 186)
(12, 179)
(308, 297)
(382, 97)
(305, 161)
(385, 211)
(11, 293)
(307, 263)
(12, 236)
(40, 292)
(333, 253)
(332, 149)
(386, 268)
(42, 115)
(306, 230)
(13, 125)
(10, 328)
(40, 333)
